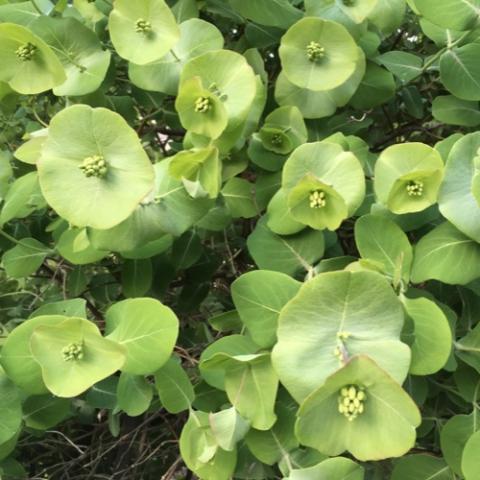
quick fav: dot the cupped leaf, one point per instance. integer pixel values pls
(318, 54)
(79, 50)
(134, 394)
(408, 177)
(196, 37)
(259, 297)
(232, 82)
(381, 426)
(333, 468)
(147, 329)
(201, 452)
(340, 172)
(333, 317)
(93, 170)
(228, 428)
(73, 355)
(279, 217)
(432, 336)
(17, 359)
(457, 199)
(142, 31)
(74, 245)
(450, 14)
(29, 66)
(446, 254)
(383, 241)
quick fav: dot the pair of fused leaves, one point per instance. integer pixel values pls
(67, 355)
(322, 185)
(322, 67)
(93, 170)
(408, 177)
(210, 101)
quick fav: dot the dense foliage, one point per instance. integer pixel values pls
(240, 239)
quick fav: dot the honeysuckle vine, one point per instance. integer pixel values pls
(239, 239)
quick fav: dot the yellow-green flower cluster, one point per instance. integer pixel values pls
(317, 199)
(143, 26)
(72, 352)
(26, 52)
(94, 166)
(415, 188)
(315, 51)
(202, 105)
(351, 401)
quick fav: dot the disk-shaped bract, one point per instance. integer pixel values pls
(333, 317)
(142, 31)
(318, 54)
(408, 177)
(93, 170)
(359, 409)
(29, 66)
(79, 50)
(460, 192)
(228, 77)
(324, 184)
(73, 356)
(196, 37)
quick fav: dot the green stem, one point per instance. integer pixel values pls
(175, 56)
(19, 242)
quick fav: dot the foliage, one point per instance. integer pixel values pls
(240, 239)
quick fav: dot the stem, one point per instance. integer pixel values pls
(19, 242)
(175, 56)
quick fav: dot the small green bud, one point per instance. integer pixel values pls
(203, 104)
(72, 352)
(143, 26)
(315, 51)
(415, 188)
(317, 199)
(26, 52)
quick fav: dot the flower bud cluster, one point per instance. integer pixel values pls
(72, 352)
(351, 401)
(277, 139)
(415, 188)
(143, 26)
(26, 52)
(94, 166)
(315, 51)
(202, 105)
(317, 199)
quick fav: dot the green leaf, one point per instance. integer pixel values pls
(450, 13)
(333, 317)
(144, 31)
(286, 254)
(421, 467)
(134, 394)
(251, 385)
(25, 258)
(46, 411)
(147, 329)
(454, 436)
(333, 468)
(37, 71)
(238, 194)
(10, 409)
(81, 134)
(75, 307)
(455, 111)
(228, 428)
(259, 297)
(80, 52)
(174, 387)
(73, 356)
(137, 277)
(318, 54)
(432, 336)
(383, 241)
(75, 246)
(385, 428)
(470, 465)
(460, 72)
(446, 254)
(403, 65)
(17, 359)
(468, 348)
